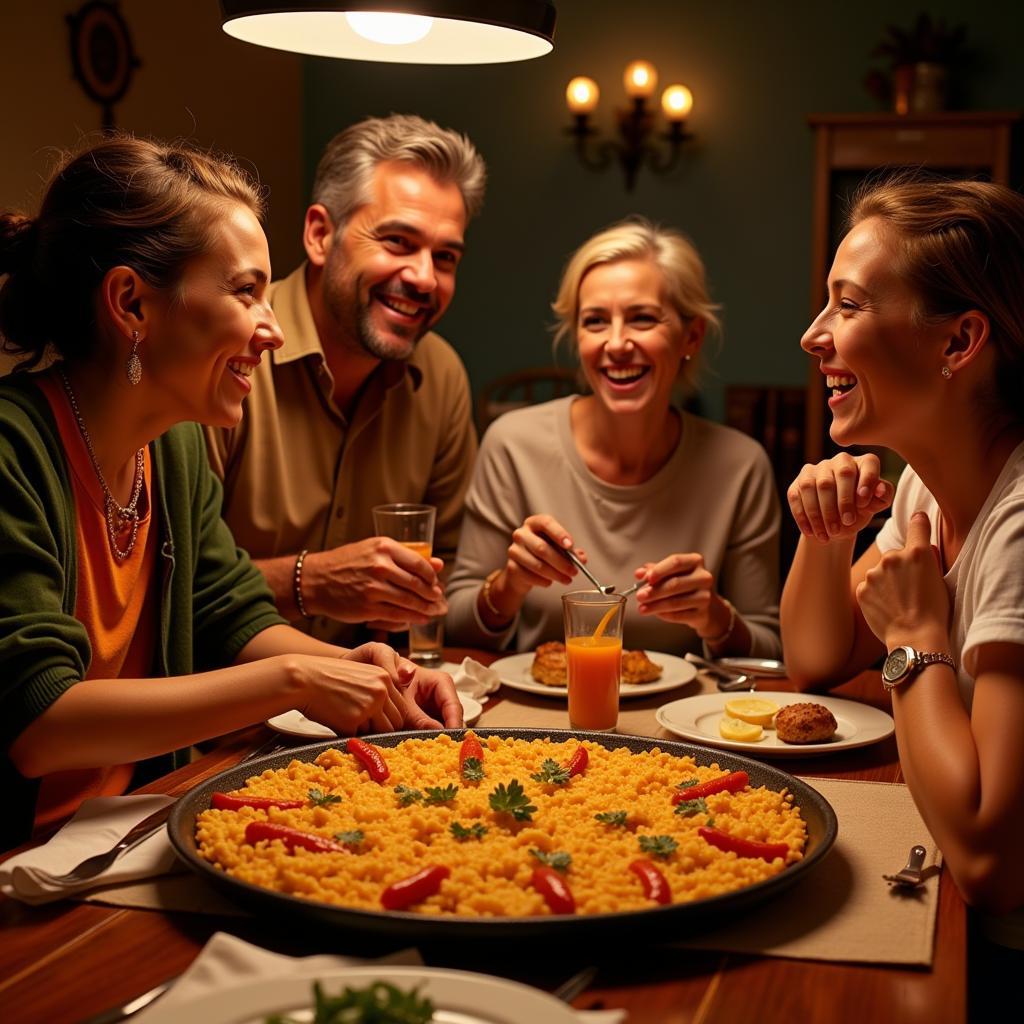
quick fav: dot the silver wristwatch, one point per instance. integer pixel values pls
(903, 663)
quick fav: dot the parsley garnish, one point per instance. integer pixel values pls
(440, 794)
(551, 771)
(353, 838)
(318, 798)
(658, 846)
(688, 808)
(460, 832)
(378, 1003)
(512, 800)
(472, 769)
(407, 796)
(560, 860)
(617, 818)
(687, 783)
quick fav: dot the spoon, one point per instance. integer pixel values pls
(727, 681)
(571, 555)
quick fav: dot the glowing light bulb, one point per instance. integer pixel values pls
(677, 102)
(582, 95)
(640, 79)
(390, 29)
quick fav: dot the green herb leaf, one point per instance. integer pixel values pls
(552, 772)
(440, 794)
(378, 1003)
(658, 846)
(512, 800)
(617, 818)
(688, 808)
(473, 769)
(460, 832)
(559, 860)
(353, 838)
(407, 796)
(687, 783)
(318, 798)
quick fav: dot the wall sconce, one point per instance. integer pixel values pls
(636, 123)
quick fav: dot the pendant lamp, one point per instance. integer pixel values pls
(398, 31)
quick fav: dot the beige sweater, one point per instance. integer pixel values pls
(715, 496)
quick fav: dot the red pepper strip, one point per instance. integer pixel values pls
(415, 888)
(655, 884)
(743, 847)
(578, 761)
(470, 748)
(552, 886)
(227, 802)
(731, 783)
(291, 837)
(370, 758)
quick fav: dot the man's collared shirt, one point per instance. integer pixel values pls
(298, 475)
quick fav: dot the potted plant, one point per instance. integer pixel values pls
(920, 59)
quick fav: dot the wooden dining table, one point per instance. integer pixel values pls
(64, 962)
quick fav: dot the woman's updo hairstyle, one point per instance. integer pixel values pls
(122, 201)
(637, 238)
(960, 246)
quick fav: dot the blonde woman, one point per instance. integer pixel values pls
(639, 488)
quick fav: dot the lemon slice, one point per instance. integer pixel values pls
(751, 709)
(738, 731)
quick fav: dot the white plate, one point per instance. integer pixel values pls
(478, 997)
(515, 672)
(697, 718)
(295, 723)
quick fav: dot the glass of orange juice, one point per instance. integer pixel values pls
(413, 527)
(593, 646)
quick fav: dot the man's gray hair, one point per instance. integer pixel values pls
(344, 174)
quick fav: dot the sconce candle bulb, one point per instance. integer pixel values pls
(677, 102)
(582, 95)
(640, 79)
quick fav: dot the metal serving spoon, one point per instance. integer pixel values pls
(727, 681)
(571, 555)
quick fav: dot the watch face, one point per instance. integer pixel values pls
(895, 664)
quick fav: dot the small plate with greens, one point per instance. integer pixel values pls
(376, 994)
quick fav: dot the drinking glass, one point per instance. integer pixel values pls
(593, 647)
(413, 527)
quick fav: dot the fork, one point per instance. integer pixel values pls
(571, 555)
(912, 875)
(98, 863)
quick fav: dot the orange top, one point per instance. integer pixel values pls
(115, 602)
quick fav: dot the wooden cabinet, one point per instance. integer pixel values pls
(848, 147)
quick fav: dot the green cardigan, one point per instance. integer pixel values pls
(213, 601)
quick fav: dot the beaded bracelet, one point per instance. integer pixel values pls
(714, 641)
(297, 584)
(485, 593)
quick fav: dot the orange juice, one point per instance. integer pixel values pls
(595, 663)
(422, 548)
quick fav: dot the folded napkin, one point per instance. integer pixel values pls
(99, 824)
(227, 962)
(473, 679)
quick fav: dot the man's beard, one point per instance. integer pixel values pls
(355, 320)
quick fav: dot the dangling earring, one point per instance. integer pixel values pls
(133, 368)
(946, 372)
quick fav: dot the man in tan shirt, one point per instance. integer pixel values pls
(363, 405)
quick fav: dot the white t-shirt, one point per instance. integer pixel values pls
(986, 582)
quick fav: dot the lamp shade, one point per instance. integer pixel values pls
(398, 31)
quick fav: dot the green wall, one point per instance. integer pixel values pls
(742, 192)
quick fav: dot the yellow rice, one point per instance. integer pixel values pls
(492, 876)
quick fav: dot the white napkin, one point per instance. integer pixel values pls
(227, 962)
(98, 825)
(473, 679)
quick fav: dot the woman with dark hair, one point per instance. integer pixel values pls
(130, 624)
(922, 348)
